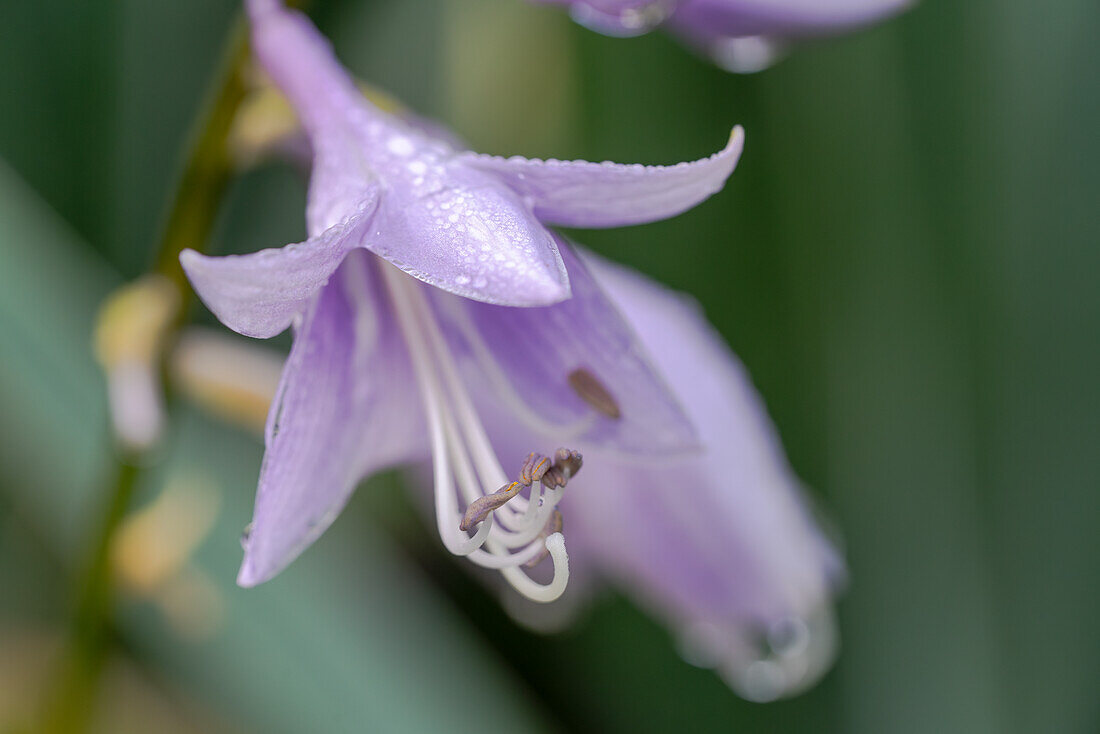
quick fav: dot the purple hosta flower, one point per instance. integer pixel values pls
(394, 210)
(717, 543)
(740, 35)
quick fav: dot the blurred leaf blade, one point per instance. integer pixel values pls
(354, 639)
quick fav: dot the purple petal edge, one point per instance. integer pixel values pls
(585, 194)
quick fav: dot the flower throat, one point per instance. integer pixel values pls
(510, 531)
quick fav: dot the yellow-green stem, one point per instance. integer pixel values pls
(207, 170)
(69, 705)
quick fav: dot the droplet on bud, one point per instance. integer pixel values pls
(623, 19)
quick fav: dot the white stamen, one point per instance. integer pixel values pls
(528, 517)
(544, 592)
(525, 527)
(462, 454)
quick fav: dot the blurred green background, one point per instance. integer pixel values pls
(906, 259)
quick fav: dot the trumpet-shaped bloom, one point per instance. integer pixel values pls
(391, 211)
(740, 35)
(717, 542)
(429, 278)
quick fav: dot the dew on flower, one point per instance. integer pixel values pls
(435, 311)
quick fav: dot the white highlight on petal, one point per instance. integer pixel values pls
(464, 461)
(401, 146)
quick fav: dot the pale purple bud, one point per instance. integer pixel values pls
(739, 35)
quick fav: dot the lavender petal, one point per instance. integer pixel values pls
(260, 294)
(345, 408)
(584, 194)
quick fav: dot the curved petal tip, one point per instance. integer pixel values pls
(586, 194)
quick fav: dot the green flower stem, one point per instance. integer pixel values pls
(207, 171)
(208, 168)
(70, 703)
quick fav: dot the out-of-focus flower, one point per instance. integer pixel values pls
(739, 35)
(152, 551)
(720, 544)
(369, 338)
(219, 373)
(129, 334)
(129, 696)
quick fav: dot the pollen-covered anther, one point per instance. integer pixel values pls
(567, 463)
(480, 508)
(464, 460)
(553, 525)
(533, 469)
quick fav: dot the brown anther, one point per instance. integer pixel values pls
(553, 525)
(534, 466)
(593, 392)
(480, 508)
(568, 461)
(566, 464)
(553, 478)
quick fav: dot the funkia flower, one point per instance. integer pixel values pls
(434, 313)
(739, 35)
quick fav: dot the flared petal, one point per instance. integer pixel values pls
(574, 371)
(584, 194)
(346, 407)
(260, 294)
(721, 545)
